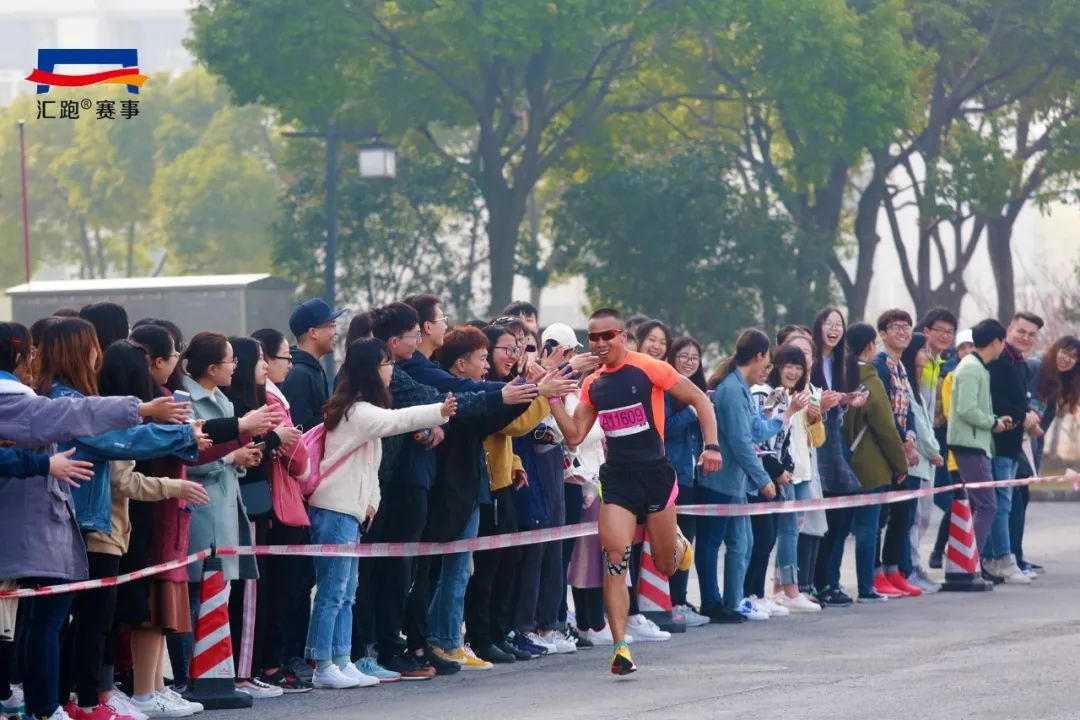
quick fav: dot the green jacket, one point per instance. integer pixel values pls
(971, 411)
(879, 454)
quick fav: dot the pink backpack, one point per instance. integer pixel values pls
(314, 441)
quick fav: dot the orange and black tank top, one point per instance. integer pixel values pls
(629, 402)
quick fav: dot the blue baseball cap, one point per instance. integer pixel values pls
(311, 313)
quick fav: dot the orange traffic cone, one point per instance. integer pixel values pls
(654, 593)
(962, 557)
(213, 678)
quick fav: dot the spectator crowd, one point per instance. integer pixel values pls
(128, 445)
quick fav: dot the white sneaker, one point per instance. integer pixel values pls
(600, 637)
(333, 679)
(121, 704)
(559, 641)
(797, 604)
(14, 705)
(59, 714)
(747, 610)
(159, 705)
(1008, 569)
(762, 605)
(182, 701)
(259, 690)
(692, 618)
(351, 671)
(645, 630)
(921, 580)
(535, 639)
(774, 609)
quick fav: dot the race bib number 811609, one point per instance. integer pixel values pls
(623, 421)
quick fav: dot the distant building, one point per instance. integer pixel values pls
(156, 28)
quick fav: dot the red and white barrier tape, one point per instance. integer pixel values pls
(527, 537)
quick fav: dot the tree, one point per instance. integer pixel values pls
(676, 240)
(529, 80)
(419, 233)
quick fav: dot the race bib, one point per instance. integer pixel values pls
(623, 421)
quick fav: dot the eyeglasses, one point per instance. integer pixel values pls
(412, 336)
(832, 326)
(947, 331)
(605, 336)
(899, 327)
(511, 351)
(683, 358)
(444, 319)
(175, 355)
(234, 362)
(287, 358)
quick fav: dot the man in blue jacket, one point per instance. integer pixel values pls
(314, 324)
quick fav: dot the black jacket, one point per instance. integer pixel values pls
(306, 389)
(458, 461)
(1009, 381)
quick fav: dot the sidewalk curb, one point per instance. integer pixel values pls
(1060, 495)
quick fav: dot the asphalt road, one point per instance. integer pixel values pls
(1011, 653)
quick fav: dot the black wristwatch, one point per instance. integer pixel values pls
(713, 446)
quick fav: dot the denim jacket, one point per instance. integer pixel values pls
(737, 420)
(682, 440)
(93, 500)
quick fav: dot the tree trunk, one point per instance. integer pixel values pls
(131, 249)
(857, 293)
(503, 226)
(100, 252)
(999, 241)
(88, 253)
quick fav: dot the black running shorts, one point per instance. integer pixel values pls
(642, 488)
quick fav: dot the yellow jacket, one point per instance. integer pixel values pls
(946, 403)
(499, 448)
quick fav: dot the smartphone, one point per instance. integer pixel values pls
(365, 527)
(259, 446)
(181, 396)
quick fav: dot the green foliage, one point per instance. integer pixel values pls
(190, 180)
(677, 241)
(417, 233)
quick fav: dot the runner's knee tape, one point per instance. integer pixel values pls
(620, 567)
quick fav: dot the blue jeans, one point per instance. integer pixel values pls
(711, 533)
(446, 612)
(330, 629)
(864, 526)
(787, 536)
(40, 662)
(998, 545)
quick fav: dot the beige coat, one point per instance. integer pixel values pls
(128, 485)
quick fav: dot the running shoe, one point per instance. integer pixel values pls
(289, 683)
(257, 689)
(100, 711)
(537, 639)
(882, 586)
(797, 604)
(351, 671)
(622, 663)
(646, 630)
(872, 597)
(370, 666)
(495, 655)
(600, 637)
(692, 618)
(299, 667)
(161, 706)
(404, 665)
(521, 642)
(748, 611)
(835, 599)
(559, 641)
(898, 581)
(332, 678)
(14, 705)
(465, 657)
(687, 560)
(510, 649)
(720, 615)
(578, 639)
(122, 705)
(176, 697)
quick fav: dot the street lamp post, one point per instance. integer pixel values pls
(374, 160)
(25, 200)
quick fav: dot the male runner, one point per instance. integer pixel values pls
(637, 483)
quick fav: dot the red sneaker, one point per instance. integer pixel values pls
(883, 587)
(98, 712)
(900, 582)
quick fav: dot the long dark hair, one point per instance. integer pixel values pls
(176, 380)
(839, 364)
(907, 358)
(1051, 385)
(243, 391)
(358, 381)
(493, 333)
(125, 370)
(698, 376)
(643, 331)
(788, 355)
(751, 343)
(110, 321)
(14, 346)
(858, 336)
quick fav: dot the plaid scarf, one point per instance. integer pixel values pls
(899, 396)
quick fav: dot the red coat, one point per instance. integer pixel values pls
(289, 465)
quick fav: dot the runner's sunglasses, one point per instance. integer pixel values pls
(605, 336)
